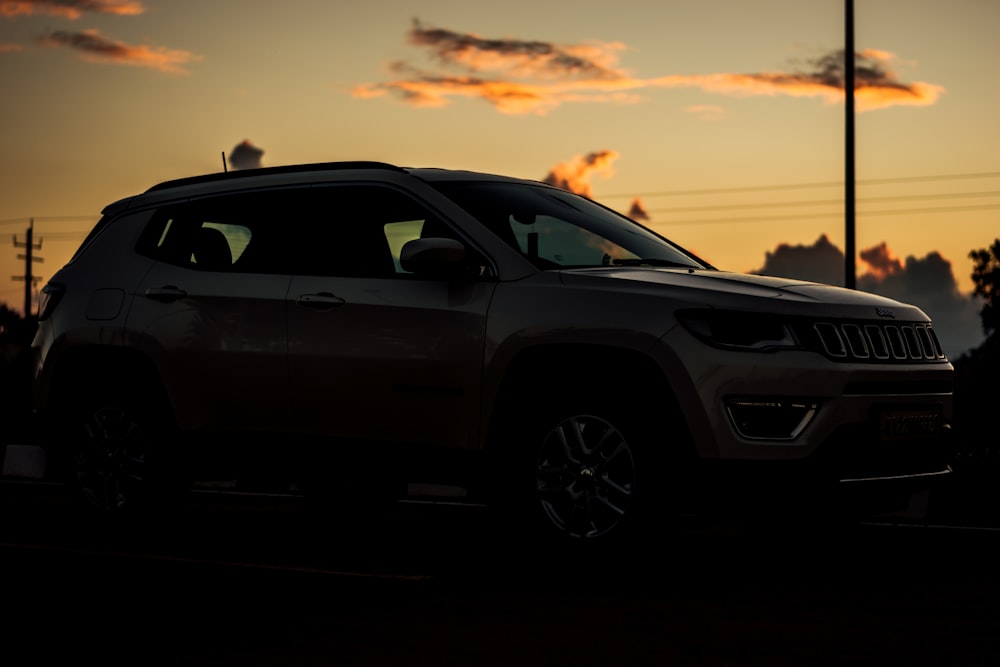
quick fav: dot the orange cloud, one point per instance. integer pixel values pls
(536, 77)
(575, 174)
(507, 97)
(71, 9)
(94, 47)
(10, 48)
(520, 58)
(881, 263)
(875, 85)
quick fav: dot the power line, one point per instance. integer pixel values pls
(814, 216)
(806, 186)
(47, 218)
(824, 202)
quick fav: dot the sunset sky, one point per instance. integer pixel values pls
(718, 123)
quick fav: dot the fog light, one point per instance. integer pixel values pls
(770, 418)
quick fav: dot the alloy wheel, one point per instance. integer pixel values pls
(111, 460)
(585, 477)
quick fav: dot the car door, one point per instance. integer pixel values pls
(211, 312)
(375, 353)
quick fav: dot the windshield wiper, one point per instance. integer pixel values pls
(652, 261)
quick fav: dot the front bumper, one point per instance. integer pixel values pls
(853, 475)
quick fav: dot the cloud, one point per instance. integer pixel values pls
(637, 211)
(245, 156)
(881, 263)
(821, 262)
(424, 89)
(575, 174)
(71, 9)
(875, 84)
(519, 57)
(927, 282)
(10, 48)
(94, 47)
(521, 77)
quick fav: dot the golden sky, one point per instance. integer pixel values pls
(718, 123)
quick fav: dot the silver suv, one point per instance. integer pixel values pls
(355, 331)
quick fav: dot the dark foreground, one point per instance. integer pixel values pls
(271, 585)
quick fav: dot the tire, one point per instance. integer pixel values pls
(593, 470)
(113, 445)
(585, 477)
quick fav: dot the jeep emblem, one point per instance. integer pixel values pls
(885, 312)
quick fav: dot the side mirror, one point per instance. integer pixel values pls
(433, 256)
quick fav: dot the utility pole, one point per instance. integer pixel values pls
(850, 269)
(29, 280)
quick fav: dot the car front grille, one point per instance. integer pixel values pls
(877, 342)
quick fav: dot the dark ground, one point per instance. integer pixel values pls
(274, 586)
(269, 585)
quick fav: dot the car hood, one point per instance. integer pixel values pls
(724, 288)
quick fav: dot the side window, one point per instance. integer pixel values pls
(403, 231)
(328, 230)
(230, 233)
(398, 234)
(218, 246)
(359, 231)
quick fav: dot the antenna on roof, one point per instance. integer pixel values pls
(224, 167)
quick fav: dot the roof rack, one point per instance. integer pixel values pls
(284, 169)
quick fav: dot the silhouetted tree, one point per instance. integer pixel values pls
(986, 276)
(10, 321)
(15, 373)
(975, 493)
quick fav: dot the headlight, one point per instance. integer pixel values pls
(739, 330)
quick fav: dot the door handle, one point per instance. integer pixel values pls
(166, 294)
(320, 301)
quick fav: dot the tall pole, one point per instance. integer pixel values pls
(27, 269)
(29, 257)
(850, 269)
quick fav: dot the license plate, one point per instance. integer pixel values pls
(899, 424)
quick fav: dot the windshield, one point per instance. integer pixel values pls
(558, 229)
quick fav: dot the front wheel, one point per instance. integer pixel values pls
(585, 477)
(592, 469)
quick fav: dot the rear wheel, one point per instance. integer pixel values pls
(109, 458)
(112, 445)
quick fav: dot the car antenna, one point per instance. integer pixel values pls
(224, 167)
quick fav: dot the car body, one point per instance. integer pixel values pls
(354, 327)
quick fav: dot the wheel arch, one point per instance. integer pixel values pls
(90, 368)
(540, 369)
(621, 387)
